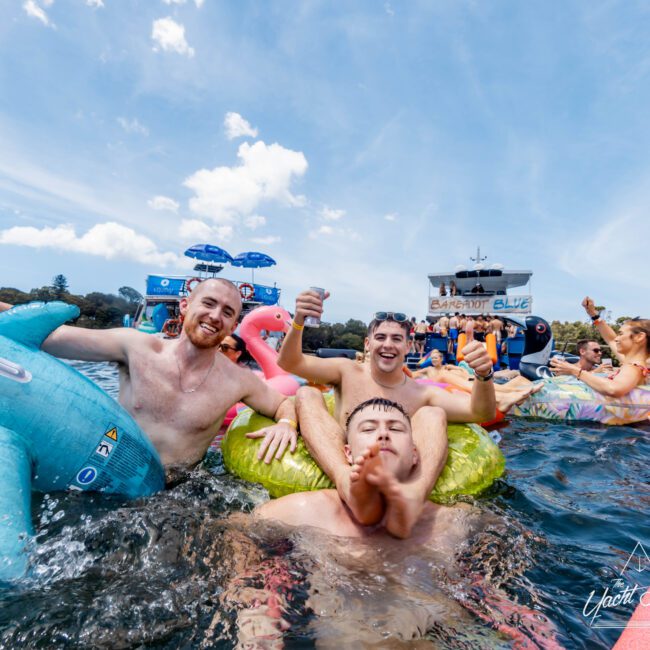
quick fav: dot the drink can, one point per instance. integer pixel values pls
(312, 321)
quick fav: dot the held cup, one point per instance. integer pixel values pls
(312, 321)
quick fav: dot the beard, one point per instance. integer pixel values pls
(198, 338)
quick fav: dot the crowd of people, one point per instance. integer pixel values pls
(451, 326)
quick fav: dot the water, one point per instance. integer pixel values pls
(173, 570)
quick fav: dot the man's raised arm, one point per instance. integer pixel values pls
(292, 359)
(86, 344)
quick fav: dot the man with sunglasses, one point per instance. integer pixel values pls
(590, 354)
(382, 375)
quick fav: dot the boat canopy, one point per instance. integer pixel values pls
(491, 280)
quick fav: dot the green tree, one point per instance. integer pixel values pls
(130, 294)
(59, 287)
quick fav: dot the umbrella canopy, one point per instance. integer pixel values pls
(253, 260)
(208, 253)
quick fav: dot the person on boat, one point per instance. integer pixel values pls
(386, 346)
(495, 326)
(420, 337)
(443, 289)
(179, 390)
(632, 344)
(453, 289)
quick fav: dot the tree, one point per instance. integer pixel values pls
(59, 287)
(130, 294)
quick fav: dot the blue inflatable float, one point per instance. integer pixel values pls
(58, 431)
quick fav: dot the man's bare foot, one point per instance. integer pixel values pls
(403, 509)
(506, 400)
(363, 498)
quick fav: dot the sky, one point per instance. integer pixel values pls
(362, 145)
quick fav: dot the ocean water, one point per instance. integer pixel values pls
(178, 570)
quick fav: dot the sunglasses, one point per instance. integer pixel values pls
(224, 347)
(397, 316)
(597, 351)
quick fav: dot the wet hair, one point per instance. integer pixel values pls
(374, 324)
(583, 343)
(377, 403)
(641, 326)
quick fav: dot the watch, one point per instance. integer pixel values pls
(487, 377)
(595, 317)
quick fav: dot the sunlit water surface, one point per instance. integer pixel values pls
(175, 570)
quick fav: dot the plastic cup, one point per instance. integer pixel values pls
(313, 321)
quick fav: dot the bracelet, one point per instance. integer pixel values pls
(292, 423)
(595, 317)
(296, 326)
(486, 377)
(597, 321)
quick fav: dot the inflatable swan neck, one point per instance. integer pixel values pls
(31, 324)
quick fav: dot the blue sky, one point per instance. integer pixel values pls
(361, 144)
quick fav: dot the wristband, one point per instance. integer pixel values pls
(595, 317)
(597, 321)
(296, 326)
(487, 377)
(292, 423)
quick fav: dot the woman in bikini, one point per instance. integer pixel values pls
(632, 345)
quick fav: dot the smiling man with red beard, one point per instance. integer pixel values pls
(429, 408)
(180, 390)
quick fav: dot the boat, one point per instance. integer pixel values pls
(478, 290)
(159, 311)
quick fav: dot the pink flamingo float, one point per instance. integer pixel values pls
(271, 319)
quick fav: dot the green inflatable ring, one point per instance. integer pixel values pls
(473, 462)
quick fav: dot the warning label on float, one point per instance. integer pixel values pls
(125, 465)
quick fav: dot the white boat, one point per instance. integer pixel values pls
(481, 289)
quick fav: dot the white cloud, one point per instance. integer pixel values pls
(109, 240)
(388, 9)
(199, 3)
(132, 126)
(392, 216)
(35, 11)
(266, 241)
(323, 230)
(169, 36)
(196, 230)
(96, 4)
(329, 214)
(255, 221)
(163, 203)
(265, 174)
(238, 127)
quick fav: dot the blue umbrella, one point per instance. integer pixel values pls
(253, 260)
(208, 253)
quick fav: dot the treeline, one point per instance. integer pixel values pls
(98, 310)
(566, 335)
(335, 335)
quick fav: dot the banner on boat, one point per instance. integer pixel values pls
(159, 285)
(480, 305)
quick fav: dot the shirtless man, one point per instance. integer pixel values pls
(495, 326)
(590, 354)
(179, 390)
(380, 450)
(386, 347)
